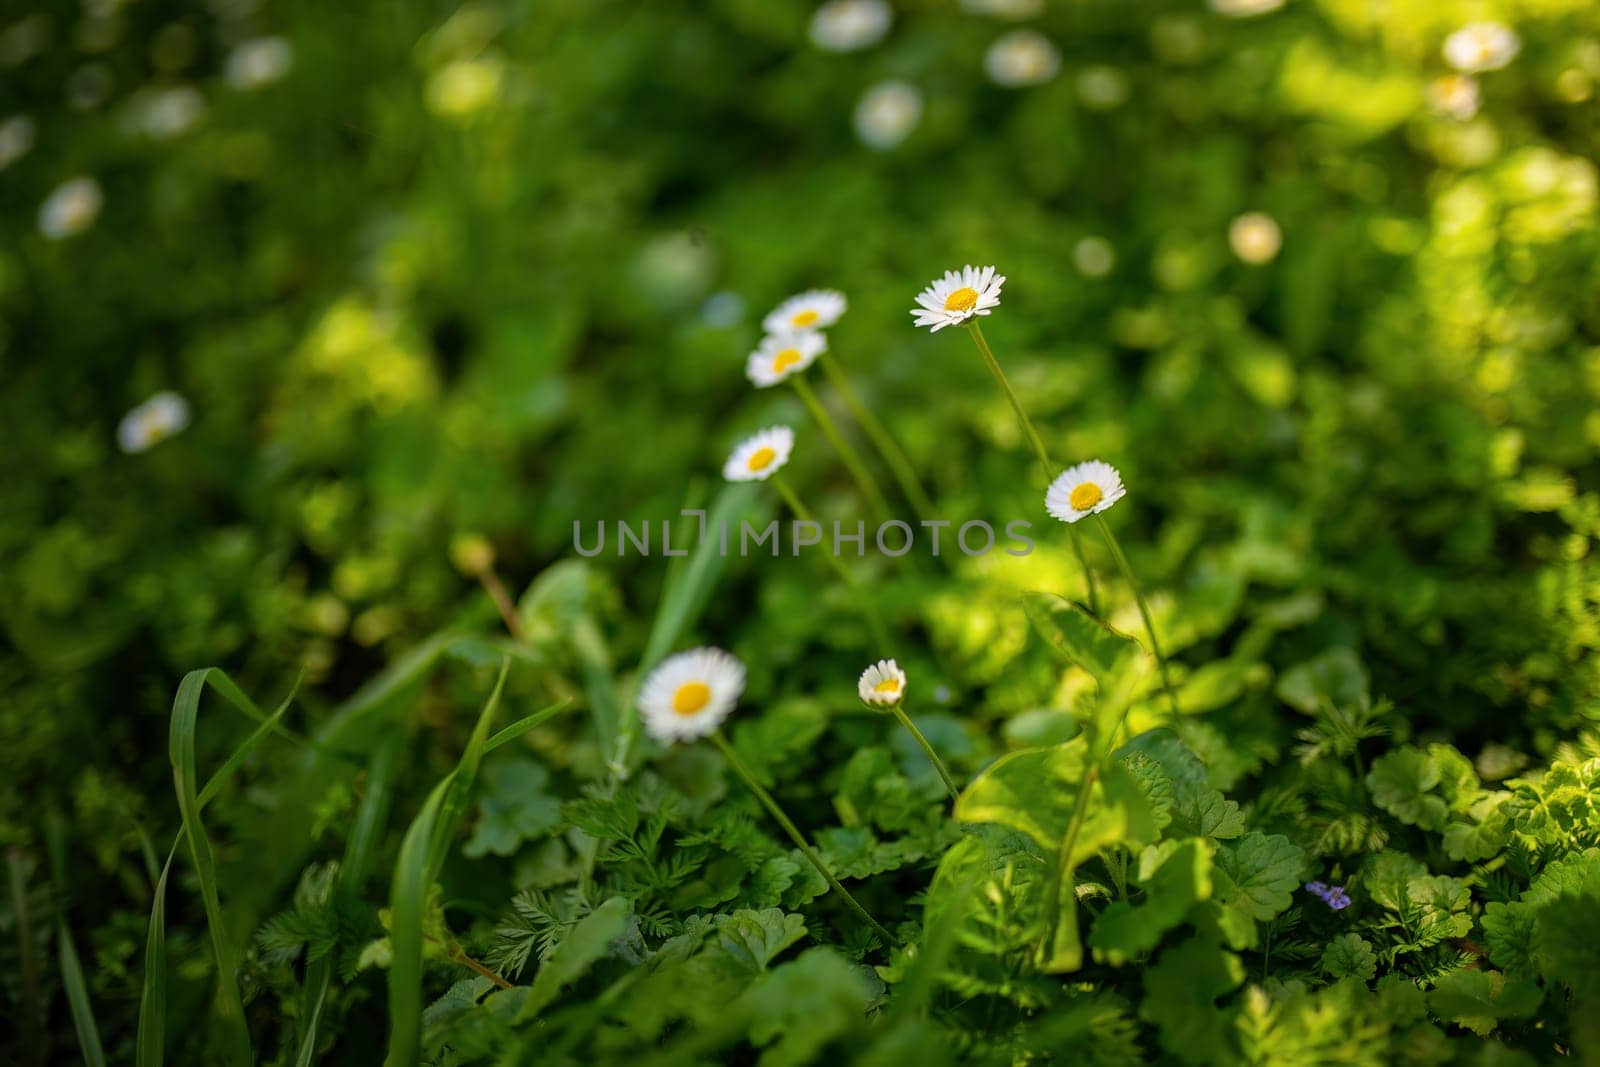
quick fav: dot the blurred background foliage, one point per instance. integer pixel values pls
(422, 270)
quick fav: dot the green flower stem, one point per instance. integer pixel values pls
(880, 633)
(796, 836)
(852, 458)
(1144, 609)
(899, 464)
(1038, 447)
(933, 757)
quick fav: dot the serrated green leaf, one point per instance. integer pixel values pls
(1174, 876)
(1349, 956)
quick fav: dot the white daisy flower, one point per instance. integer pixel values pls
(1481, 46)
(258, 62)
(1021, 58)
(782, 355)
(850, 25)
(1241, 9)
(1255, 237)
(70, 209)
(16, 139)
(1094, 257)
(690, 694)
(958, 296)
(164, 114)
(882, 685)
(1083, 490)
(887, 113)
(814, 309)
(152, 422)
(1455, 96)
(1004, 9)
(760, 456)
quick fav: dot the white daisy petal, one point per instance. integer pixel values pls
(1481, 46)
(690, 694)
(850, 25)
(152, 422)
(882, 685)
(781, 356)
(816, 309)
(958, 296)
(1085, 489)
(760, 455)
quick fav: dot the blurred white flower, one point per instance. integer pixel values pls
(1094, 257)
(1455, 96)
(152, 422)
(70, 209)
(814, 309)
(882, 685)
(1102, 87)
(1481, 46)
(1255, 237)
(1004, 9)
(760, 456)
(690, 694)
(887, 113)
(782, 356)
(16, 139)
(167, 113)
(257, 62)
(1021, 58)
(957, 297)
(1243, 9)
(850, 25)
(1086, 489)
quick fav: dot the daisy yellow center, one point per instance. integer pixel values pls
(762, 458)
(785, 359)
(691, 697)
(1085, 496)
(805, 318)
(963, 299)
(888, 685)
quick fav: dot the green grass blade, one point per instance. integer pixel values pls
(422, 851)
(408, 901)
(79, 1006)
(152, 1040)
(185, 713)
(78, 1003)
(522, 726)
(683, 598)
(464, 778)
(371, 818)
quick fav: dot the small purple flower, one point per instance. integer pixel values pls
(1334, 897)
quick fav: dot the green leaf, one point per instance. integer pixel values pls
(1349, 956)
(753, 939)
(1258, 874)
(1400, 782)
(1036, 791)
(1334, 678)
(800, 1007)
(1076, 637)
(1174, 876)
(583, 946)
(1480, 1000)
(1181, 992)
